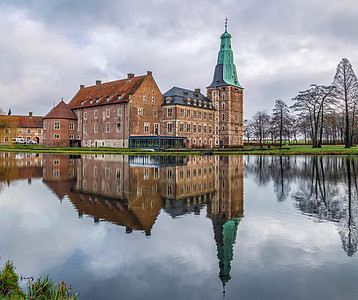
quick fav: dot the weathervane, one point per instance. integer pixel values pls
(225, 24)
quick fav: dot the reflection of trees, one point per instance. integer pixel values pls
(329, 191)
(326, 188)
(278, 169)
(348, 226)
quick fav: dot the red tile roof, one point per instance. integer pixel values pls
(106, 93)
(24, 121)
(61, 111)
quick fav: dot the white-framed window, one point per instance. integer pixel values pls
(199, 128)
(182, 112)
(140, 111)
(39, 130)
(199, 114)
(205, 115)
(152, 98)
(85, 115)
(108, 128)
(156, 129)
(71, 136)
(144, 97)
(119, 111)
(20, 130)
(169, 127)
(187, 127)
(72, 126)
(170, 112)
(108, 112)
(155, 113)
(56, 125)
(181, 127)
(194, 128)
(119, 126)
(56, 136)
(146, 127)
(210, 129)
(85, 128)
(95, 114)
(188, 113)
(194, 114)
(95, 127)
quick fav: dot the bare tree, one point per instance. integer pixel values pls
(281, 117)
(311, 104)
(346, 89)
(260, 124)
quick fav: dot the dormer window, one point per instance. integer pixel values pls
(119, 97)
(90, 101)
(185, 93)
(194, 101)
(81, 102)
(196, 95)
(205, 103)
(200, 102)
(107, 99)
(168, 99)
(97, 100)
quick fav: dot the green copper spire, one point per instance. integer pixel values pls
(225, 70)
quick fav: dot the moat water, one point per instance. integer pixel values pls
(148, 227)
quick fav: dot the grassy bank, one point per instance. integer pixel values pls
(287, 150)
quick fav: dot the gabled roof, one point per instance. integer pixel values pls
(61, 111)
(24, 121)
(106, 93)
(182, 96)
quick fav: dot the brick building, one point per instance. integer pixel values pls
(30, 128)
(60, 126)
(132, 112)
(189, 114)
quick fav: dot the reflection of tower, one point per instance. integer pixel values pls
(227, 209)
(225, 236)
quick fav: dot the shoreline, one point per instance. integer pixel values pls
(286, 151)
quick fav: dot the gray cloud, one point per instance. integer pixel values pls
(280, 47)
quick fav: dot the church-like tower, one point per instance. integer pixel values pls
(227, 95)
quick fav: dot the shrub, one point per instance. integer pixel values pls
(9, 281)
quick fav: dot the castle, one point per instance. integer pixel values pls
(133, 112)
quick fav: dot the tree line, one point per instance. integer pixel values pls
(321, 113)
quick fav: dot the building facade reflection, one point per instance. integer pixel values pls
(130, 191)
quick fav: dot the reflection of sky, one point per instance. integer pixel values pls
(279, 253)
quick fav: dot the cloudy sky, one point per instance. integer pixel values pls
(49, 48)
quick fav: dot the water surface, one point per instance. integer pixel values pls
(188, 227)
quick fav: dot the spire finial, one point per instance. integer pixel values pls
(225, 24)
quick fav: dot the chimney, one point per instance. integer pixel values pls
(30, 114)
(130, 76)
(82, 86)
(149, 73)
(197, 90)
(98, 82)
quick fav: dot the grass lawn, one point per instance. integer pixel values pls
(287, 150)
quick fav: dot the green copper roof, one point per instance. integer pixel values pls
(225, 71)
